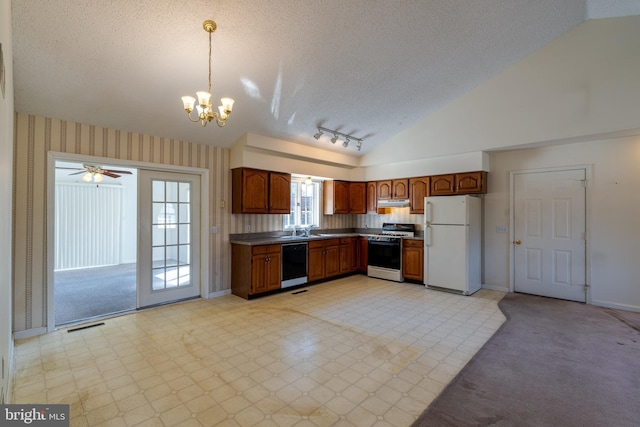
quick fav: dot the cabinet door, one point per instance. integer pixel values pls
(400, 188)
(341, 197)
(357, 197)
(363, 254)
(418, 190)
(442, 185)
(332, 260)
(471, 182)
(385, 192)
(315, 268)
(258, 276)
(348, 255)
(250, 191)
(273, 267)
(279, 193)
(412, 260)
(372, 197)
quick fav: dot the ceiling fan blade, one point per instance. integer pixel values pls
(78, 173)
(117, 171)
(71, 169)
(108, 173)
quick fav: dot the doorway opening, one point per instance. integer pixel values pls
(95, 229)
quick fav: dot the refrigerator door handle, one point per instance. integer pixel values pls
(427, 235)
(427, 211)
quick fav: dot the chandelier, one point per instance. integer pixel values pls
(204, 107)
(347, 138)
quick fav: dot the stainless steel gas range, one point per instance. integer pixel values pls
(385, 251)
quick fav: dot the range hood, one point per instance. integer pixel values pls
(393, 203)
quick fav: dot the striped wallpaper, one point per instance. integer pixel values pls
(36, 136)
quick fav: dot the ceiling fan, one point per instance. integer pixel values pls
(93, 173)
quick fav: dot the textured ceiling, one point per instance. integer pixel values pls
(370, 68)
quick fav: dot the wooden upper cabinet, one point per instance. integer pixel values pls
(471, 182)
(400, 188)
(459, 183)
(393, 189)
(260, 192)
(443, 185)
(250, 191)
(336, 197)
(358, 197)
(384, 190)
(372, 197)
(418, 189)
(279, 193)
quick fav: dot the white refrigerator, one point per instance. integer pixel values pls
(452, 243)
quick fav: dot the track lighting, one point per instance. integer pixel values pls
(347, 138)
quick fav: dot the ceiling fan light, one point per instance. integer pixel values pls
(87, 177)
(97, 177)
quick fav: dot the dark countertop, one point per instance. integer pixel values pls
(283, 239)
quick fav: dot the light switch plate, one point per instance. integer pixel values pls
(501, 229)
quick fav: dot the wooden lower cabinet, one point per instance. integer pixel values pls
(348, 255)
(324, 259)
(363, 254)
(264, 274)
(413, 259)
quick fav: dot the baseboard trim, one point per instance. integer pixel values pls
(495, 288)
(28, 333)
(615, 305)
(219, 293)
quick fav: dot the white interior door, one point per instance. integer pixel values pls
(169, 234)
(549, 234)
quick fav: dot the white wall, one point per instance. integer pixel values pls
(584, 83)
(613, 212)
(6, 178)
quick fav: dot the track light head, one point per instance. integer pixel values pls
(334, 139)
(318, 134)
(359, 146)
(345, 144)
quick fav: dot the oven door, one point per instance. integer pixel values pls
(385, 252)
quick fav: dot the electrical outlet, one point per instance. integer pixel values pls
(247, 228)
(215, 229)
(501, 229)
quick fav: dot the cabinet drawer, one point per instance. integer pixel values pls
(412, 243)
(345, 240)
(265, 249)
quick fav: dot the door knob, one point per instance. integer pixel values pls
(517, 242)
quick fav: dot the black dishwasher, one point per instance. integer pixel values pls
(294, 264)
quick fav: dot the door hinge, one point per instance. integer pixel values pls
(585, 183)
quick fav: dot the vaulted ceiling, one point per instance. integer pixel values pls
(370, 68)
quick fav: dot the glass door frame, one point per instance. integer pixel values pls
(53, 156)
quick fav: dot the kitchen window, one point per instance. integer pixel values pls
(305, 204)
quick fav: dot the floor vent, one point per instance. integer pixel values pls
(85, 327)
